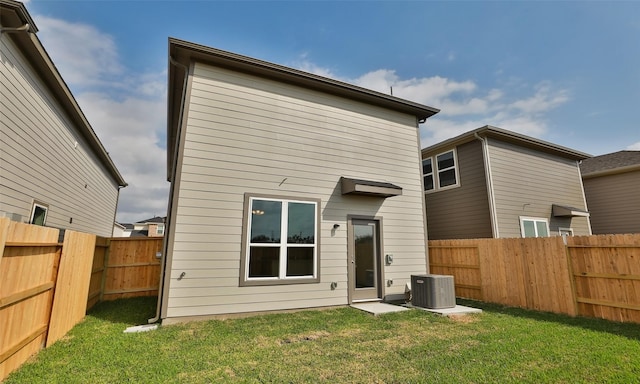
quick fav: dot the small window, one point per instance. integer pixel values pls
(160, 229)
(534, 227)
(39, 214)
(427, 172)
(281, 241)
(445, 174)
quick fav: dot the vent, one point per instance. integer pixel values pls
(433, 291)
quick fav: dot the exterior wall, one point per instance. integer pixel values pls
(527, 182)
(462, 212)
(40, 159)
(247, 134)
(614, 202)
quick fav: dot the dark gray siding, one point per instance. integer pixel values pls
(527, 182)
(614, 202)
(462, 212)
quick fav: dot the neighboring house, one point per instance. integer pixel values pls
(612, 187)
(153, 227)
(288, 190)
(494, 183)
(53, 169)
(122, 230)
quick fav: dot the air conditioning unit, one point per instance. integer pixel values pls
(433, 291)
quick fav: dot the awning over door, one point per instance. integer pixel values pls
(368, 188)
(565, 211)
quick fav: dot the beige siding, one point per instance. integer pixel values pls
(39, 159)
(527, 182)
(462, 212)
(250, 135)
(614, 203)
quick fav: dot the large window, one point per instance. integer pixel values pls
(281, 241)
(440, 171)
(38, 214)
(534, 227)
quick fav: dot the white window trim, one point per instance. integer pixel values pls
(160, 229)
(534, 219)
(436, 172)
(245, 280)
(33, 212)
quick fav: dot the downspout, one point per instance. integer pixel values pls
(487, 175)
(174, 166)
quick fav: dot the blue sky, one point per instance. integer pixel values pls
(564, 72)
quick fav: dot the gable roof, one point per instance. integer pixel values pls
(616, 162)
(508, 136)
(183, 53)
(155, 219)
(18, 24)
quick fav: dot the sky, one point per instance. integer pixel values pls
(564, 72)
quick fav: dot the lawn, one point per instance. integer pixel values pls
(501, 345)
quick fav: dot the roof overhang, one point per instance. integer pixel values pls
(565, 211)
(368, 188)
(500, 134)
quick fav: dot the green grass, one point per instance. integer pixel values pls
(501, 345)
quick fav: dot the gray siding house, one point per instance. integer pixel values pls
(494, 183)
(53, 169)
(612, 187)
(288, 190)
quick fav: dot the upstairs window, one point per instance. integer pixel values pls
(427, 172)
(445, 174)
(534, 227)
(160, 230)
(281, 244)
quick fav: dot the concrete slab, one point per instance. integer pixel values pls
(378, 308)
(457, 310)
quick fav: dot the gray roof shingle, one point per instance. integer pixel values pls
(609, 161)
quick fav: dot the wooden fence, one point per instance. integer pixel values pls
(46, 286)
(125, 267)
(595, 276)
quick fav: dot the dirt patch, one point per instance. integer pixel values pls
(311, 336)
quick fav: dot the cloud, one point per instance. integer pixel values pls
(126, 112)
(464, 104)
(83, 55)
(634, 147)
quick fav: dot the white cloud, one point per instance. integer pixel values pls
(83, 55)
(634, 147)
(127, 113)
(466, 106)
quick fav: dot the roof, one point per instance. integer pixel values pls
(182, 53)
(508, 136)
(13, 17)
(155, 219)
(616, 162)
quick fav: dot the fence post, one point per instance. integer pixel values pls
(572, 278)
(105, 266)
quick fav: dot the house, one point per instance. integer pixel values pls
(288, 190)
(53, 169)
(494, 183)
(153, 227)
(612, 185)
(122, 229)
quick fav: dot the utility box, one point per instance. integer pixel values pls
(433, 291)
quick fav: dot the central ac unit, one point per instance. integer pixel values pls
(433, 291)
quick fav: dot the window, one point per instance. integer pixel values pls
(160, 229)
(281, 241)
(445, 174)
(534, 227)
(427, 172)
(38, 214)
